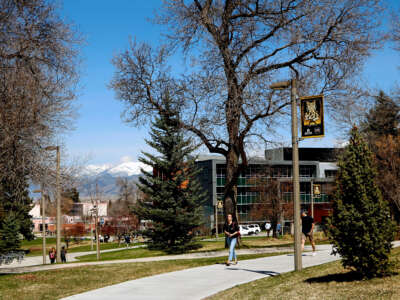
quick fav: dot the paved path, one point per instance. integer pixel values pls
(201, 282)
(29, 261)
(15, 269)
(198, 283)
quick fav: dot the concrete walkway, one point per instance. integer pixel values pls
(40, 267)
(29, 261)
(201, 282)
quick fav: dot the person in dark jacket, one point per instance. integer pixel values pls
(63, 255)
(231, 230)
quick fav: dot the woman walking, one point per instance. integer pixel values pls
(231, 230)
(52, 255)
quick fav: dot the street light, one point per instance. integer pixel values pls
(43, 222)
(95, 210)
(58, 201)
(295, 165)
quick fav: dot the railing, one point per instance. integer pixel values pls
(306, 198)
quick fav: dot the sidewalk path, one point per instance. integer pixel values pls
(29, 261)
(39, 267)
(201, 282)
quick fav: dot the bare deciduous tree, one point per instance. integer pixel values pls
(38, 76)
(38, 59)
(237, 48)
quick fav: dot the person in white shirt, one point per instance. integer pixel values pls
(268, 228)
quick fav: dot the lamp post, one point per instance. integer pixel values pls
(43, 222)
(95, 211)
(295, 165)
(58, 202)
(312, 198)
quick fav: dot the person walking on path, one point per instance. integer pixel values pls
(231, 230)
(52, 255)
(307, 228)
(278, 229)
(63, 255)
(268, 228)
(127, 240)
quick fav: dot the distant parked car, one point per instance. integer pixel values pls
(244, 230)
(101, 238)
(254, 228)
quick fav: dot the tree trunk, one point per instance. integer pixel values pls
(230, 193)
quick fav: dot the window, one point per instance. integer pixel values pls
(330, 173)
(307, 171)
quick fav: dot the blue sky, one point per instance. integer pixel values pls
(107, 25)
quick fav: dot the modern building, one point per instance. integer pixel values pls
(317, 168)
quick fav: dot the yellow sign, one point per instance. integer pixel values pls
(312, 116)
(317, 190)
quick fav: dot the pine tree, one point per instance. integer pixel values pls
(173, 196)
(381, 129)
(9, 234)
(360, 228)
(383, 119)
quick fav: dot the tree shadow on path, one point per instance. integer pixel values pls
(268, 273)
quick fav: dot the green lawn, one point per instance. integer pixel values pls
(207, 246)
(123, 254)
(35, 246)
(55, 284)
(328, 281)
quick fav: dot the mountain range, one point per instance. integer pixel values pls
(105, 176)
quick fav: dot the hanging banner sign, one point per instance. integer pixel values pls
(312, 116)
(317, 190)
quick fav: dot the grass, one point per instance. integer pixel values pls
(55, 284)
(123, 254)
(328, 281)
(207, 246)
(34, 247)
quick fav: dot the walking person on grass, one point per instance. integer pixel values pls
(231, 230)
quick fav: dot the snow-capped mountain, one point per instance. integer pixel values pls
(124, 169)
(92, 170)
(106, 175)
(128, 169)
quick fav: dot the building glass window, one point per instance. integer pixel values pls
(307, 171)
(330, 173)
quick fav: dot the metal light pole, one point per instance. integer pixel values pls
(43, 222)
(97, 234)
(312, 198)
(95, 211)
(91, 231)
(295, 165)
(58, 202)
(216, 221)
(296, 180)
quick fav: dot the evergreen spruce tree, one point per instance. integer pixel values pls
(173, 196)
(15, 200)
(360, 228)
(9, 234)
(383, 119)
